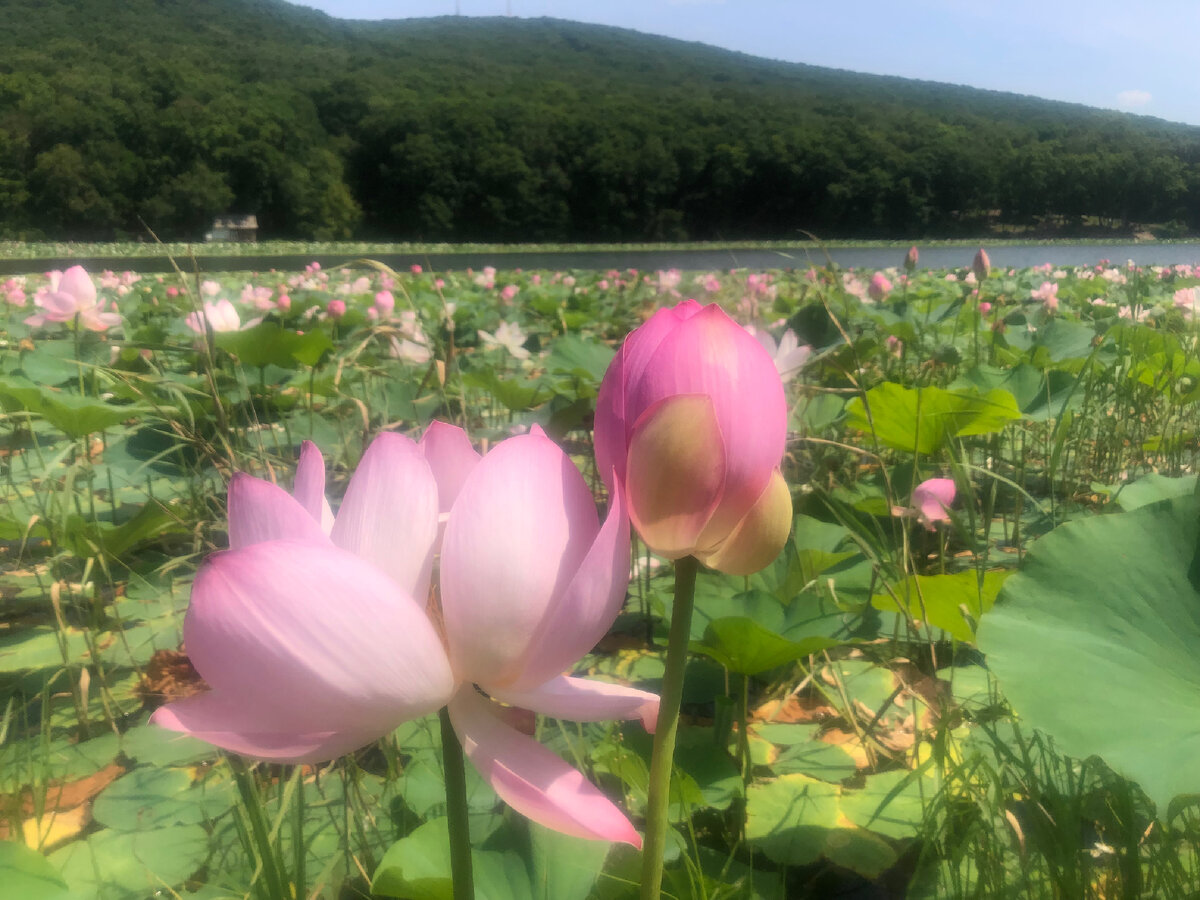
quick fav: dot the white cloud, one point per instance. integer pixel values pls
(1131, 99)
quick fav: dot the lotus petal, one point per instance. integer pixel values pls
(309, 638)
(531, 779)
(585, 700)
(390, 513)
(519, 531)
(260, 511)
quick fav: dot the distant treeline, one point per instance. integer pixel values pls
(115, 113)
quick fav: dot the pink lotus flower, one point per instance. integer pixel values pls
(316, 640)
(336, 308)
(385, 303)
(910, 258)
(981, 265)
(788, 355)
(508, 336)
(880, 287)
(691, 417)
(72, 294)
(930, 502)
(1047, 294)
(220, 316)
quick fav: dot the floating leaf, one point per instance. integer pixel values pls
(27, 875)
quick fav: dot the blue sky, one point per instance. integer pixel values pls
(1103, 53)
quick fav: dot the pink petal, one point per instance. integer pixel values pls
(450, 454)
(307, 638)
(76, 282)
(585, 611)
(932, 499)
(585, 700)
(59, 307)
(531, 779)
(260, 511)
(99, 321)
(614, 418)
(309, 487)
(390, 513)
(223, 721)
(520, 529)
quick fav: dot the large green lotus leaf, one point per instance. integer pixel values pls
(952, 602)
(795, 820)
(116, 865)
(1097, 643)
(417, 867)
(26, 875)
(564, 867)
(149, 798)
(1152, 488)
(919, 420)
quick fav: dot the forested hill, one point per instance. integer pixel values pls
(115, 112)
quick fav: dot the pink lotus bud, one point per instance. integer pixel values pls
(910, 259)
(172, 292)
(283, 301)
(981, 265)
(385, 303)
(416, 268)
(691, 422)
(985, 308)
(336, 309)
(880, 287)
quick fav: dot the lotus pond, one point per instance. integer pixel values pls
(994, 695)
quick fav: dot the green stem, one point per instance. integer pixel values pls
(658, 800)
(456, 810)
(252, 803)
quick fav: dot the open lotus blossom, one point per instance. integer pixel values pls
(313, 630)
(789, 355)
(220, 316)
(691, 417)
(930, 502)
(509, 336)
(1047, 294)
(71, 295)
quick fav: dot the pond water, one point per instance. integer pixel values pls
(1006, 256)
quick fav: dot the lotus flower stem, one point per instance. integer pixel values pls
(252, 802)
(456, 810)
(658, 799)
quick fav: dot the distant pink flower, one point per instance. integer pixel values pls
(981, 265)
(284, 302)
(880, 287)
(487, 278)
(508, 292)
(1185, 301)
(985, 308)
(895, 345)
(172, 292)
(788, 355)
(416, 269)
(221, 316)
(336, 309)
(71, 295)
(930, 502)
(385, 303)
(910, 258)
(508, 336)
(1047, 294)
